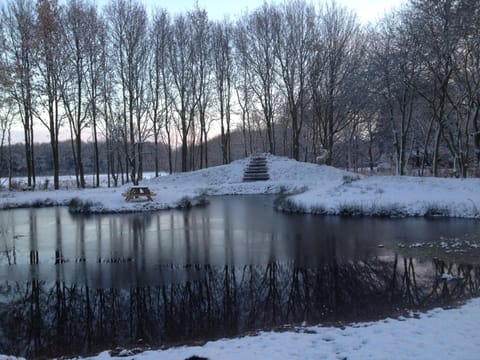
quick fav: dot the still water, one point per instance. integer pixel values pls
(73, 284)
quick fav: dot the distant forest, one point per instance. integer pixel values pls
(44, 163)
(164, 92)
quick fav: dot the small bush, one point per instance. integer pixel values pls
(434, 210)
(200, 201)
(348, 179)
(391, 211)
(185, 203)
(319, 210)
(283, 203)
(77, 205)
(16, 185)
(351, 210)
(42, 203)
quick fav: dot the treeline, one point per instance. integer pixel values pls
(44, 165)
(310, 79)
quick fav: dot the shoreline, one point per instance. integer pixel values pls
(304, 188)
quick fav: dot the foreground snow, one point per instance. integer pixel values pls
(318, 189)
(437, 334)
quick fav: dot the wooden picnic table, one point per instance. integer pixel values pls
(137, 192)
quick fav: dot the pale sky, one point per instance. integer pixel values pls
(367, 10)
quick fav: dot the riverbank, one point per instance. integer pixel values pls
(437, 334)
(307, 188)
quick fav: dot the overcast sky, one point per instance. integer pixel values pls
(367, 10)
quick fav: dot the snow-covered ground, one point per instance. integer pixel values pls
(437, 334)
(316, 189)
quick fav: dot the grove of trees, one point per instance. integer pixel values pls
(292, 78)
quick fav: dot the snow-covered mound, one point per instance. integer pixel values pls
(395, 196)
(312, 188)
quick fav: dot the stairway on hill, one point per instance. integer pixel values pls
(257, 169)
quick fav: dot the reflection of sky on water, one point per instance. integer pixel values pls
(161, 247)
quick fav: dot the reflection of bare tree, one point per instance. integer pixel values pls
(35, 318)
(409, 283)
(49, 319)
(452, 281)
(33, 237)
(7, 243)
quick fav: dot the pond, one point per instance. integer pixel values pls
(73, 284)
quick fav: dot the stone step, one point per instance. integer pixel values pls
(257, 169)
(255, 173)
(256, 178)
(263, 172)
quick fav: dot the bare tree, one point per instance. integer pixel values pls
(394, 65)
(128, 26)
(435, 24)
(261, 56)
(222, 43)
(6, 122)
(76, 28)
(334, 75)
(294, 49)
(242, 83)
(94, 51)
(51, 61)
(469, 75)
(465, 99)
(159, 83)
(19, 29)
(201, 48)
(184, 81)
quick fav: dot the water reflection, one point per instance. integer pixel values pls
(48, 319)
(233, 231)
(75, 285)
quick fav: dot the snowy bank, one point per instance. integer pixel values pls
(437, 334)
(311, 189)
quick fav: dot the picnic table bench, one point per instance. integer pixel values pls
(137, 192)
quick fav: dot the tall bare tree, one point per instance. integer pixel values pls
(159, 84)
(465, 100)
(201, 49)
(94, 51)
(184, 81)
(294, 48)
(335, 73)
(242, 83)
(222, 43)
(51, 61)
(436, 25)
(128, 26)
(76, 27)
(262, 62)
(19, 19)
(394, 65)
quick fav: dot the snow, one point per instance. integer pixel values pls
(312, 188)
(439, 333)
